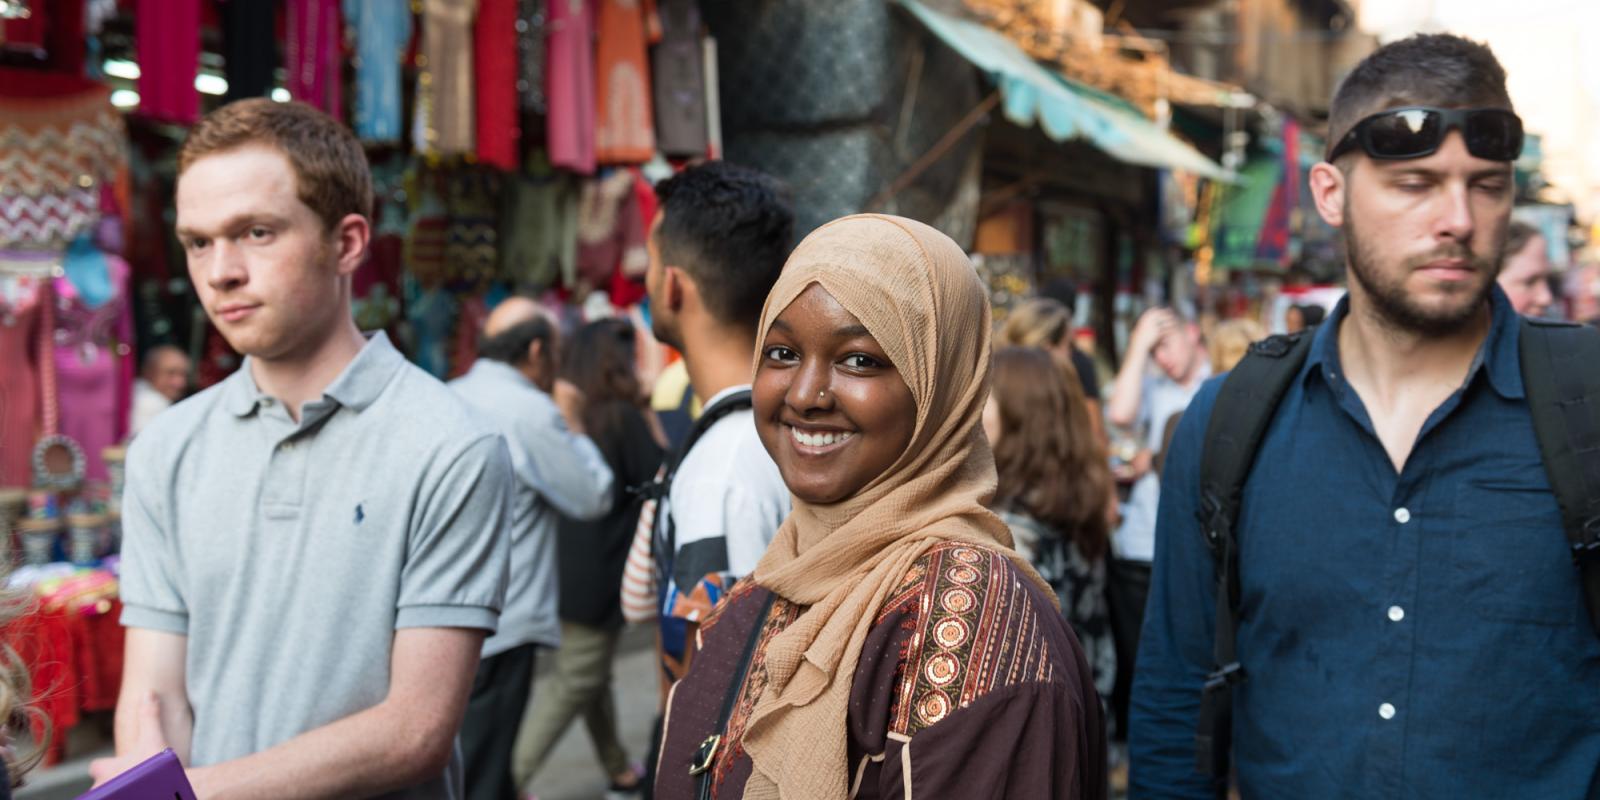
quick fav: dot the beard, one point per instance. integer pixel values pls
(1385, 287)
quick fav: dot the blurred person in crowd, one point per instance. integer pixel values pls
(1064, 292)
(599, 361)
(1525, 275)
(1055, 492)
(163, 380)
(312, 549)
(1163, 368)
(1230, 339)
(890, 624)
(1045, 322)
(16, 696)
(1410, 620)
(559, 473)
(716, 247)
(1301, 316)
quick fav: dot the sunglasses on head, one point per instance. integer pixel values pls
(1492, 134)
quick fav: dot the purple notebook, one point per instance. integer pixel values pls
(159, 777)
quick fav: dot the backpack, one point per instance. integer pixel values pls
(1561, 375)
(664, 538)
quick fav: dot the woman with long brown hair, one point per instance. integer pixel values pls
(1054, 491)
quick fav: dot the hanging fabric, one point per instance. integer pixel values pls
(383, 32)
(495, 62)
(569, 126)
(169, 59)
(680, 86)
(625, 130)
(21, 296)
(314, 62)
(532, 29)
(249, 55)
(90, 339)
(445, 107)
(60, 142)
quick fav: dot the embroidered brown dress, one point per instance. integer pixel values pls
(970, 685)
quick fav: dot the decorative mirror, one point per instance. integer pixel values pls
(58, 463)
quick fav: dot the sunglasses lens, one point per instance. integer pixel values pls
(1494, 135)
(1408, 133)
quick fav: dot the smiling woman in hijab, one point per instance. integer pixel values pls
(890, 643)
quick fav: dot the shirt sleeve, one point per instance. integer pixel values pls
(151, 587)
(1029, 741)
(457, 561)
(1175, 646)
(566, 469)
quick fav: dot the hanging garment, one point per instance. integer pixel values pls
(680, 86)
(383, 32)
(532, 28)
(570, 124)
(169, 59)
(627, 282)
(91, 342)
(313, 58)
(26, 34)
(610, 232)
(625, 130)
(539, 233)
(471, 249)
(61, 141)
(495, 65)
(445, 93)
(249, 54)
(19, 376)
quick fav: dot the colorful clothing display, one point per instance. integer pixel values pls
(61, 140)
(532, 30)
(313, 56)
(383, 30)
(495, 68)
(570, 124)
(19, 375)
(92, 329)
(625, 128)
(169, 59)
(611, 232)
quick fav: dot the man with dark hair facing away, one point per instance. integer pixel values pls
(1407, 619)
(716, 248)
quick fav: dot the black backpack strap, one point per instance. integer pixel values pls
(1561, 375)
(664, 539)
(1244, 408)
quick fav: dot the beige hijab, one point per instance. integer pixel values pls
(916, 292)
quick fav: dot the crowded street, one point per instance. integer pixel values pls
(799, 399)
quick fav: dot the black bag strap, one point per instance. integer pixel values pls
(664, 537)
(1561, 375)
(705, 757)
(1244, 408)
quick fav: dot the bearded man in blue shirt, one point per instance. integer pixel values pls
(1409, 616)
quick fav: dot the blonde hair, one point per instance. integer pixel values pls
(16, 691)
(1040, 322)
(1230, 340)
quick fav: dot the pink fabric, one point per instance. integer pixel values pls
(89, 370)
(495, 54)
(169, 58)
(19, 382)
(570, 124)
(313, 61)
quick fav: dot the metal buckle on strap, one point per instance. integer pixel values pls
(1225, 676)
(1588, 550)
(706, 755)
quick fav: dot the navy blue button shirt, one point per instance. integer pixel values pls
(1419, 634)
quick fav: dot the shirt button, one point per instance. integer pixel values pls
(266, 401)
(1402, 516)
(1396, 613)
(1386, 711)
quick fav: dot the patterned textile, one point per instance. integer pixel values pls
(625, 130)
(58, 145)
(782, 614)
(974, 634)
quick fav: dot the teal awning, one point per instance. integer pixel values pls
(1062, 109)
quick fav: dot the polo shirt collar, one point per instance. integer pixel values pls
(357, 387)
(1497, 357)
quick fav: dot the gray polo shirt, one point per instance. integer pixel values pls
(289, 553)
(557, 472)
